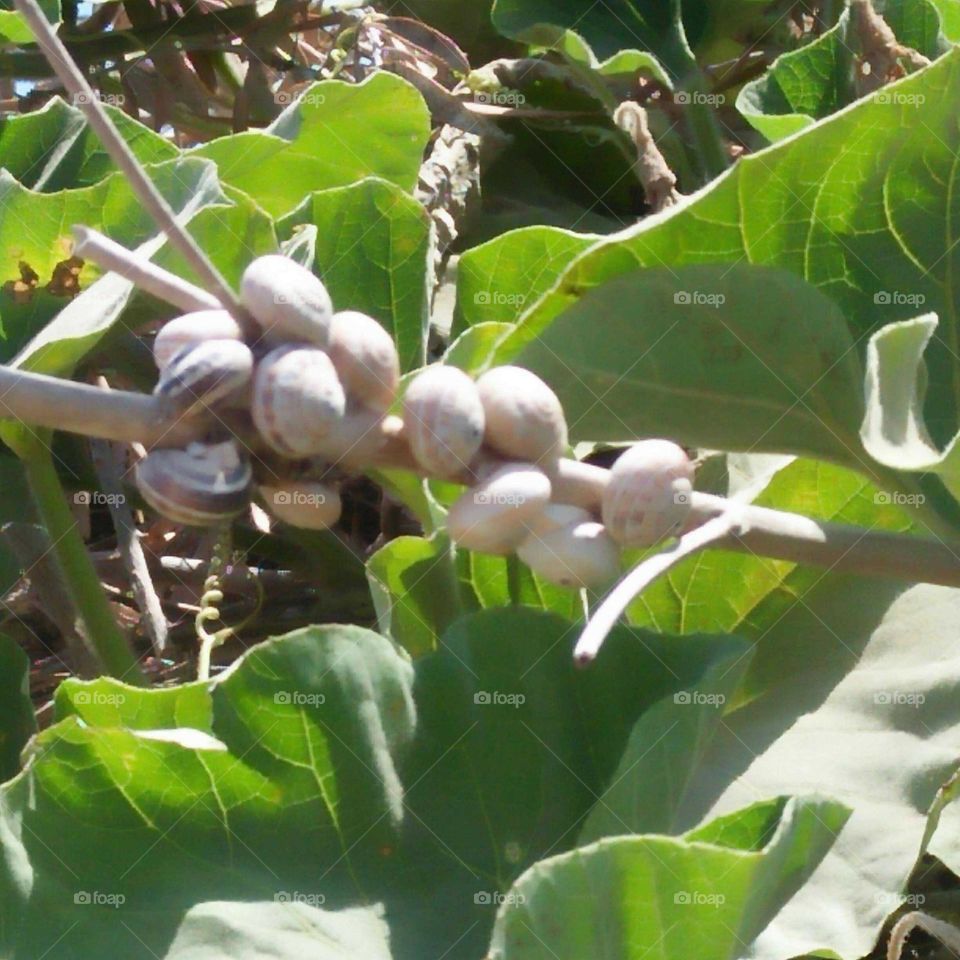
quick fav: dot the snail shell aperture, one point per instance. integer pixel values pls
(203, 485)
(287, 300)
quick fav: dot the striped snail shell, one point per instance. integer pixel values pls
(297, 400)
(201, 486)
(200, 374)
(287, 301)
(444, 420)
(192, 328)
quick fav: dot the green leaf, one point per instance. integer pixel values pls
(17, 720)
(894, 432)
(106, 702)
(289, 929)
(608, 27)
(869, 229)
(371, 250)
(674, 342)
(333, 134)
(497, 279)
(471, 351)
(699, 899)
(53, 148)
(818, 79)
(292, 788)
(14, 29)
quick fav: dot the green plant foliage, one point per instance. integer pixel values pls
(17, 721)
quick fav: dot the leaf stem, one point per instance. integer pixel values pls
(79, 574)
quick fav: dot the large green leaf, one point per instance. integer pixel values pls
(54, 148)
(291, 788)
(675, 342)
(371, 250)
(514, 746)
(333, 134)
(706, 895)
(17, 721)
(857, 204)
(811, 83)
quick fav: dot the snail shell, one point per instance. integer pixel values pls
(287, 300)
(493, 516)
(556, 515)
(297, 399)
(444, 420)
(306, 504)
(575, 555)
(524, 417)
(648, 496)
(202, 373)
(201, 486)
(192, 328)
(366, 359)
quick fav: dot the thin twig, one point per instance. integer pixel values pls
(644, 573)
(109, 255)
(89, 104)
(653, 172)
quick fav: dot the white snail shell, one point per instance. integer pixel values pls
(648, 495)
(492, 517)
(524, 417)
(287, 300)
(556, 515)
(366, 359)
(203, 485)
(303, 503)
(297, 399)
(575, 555)
(200, 374)
(444, 420)
(192, 328)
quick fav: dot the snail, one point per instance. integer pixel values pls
(200, 374)
(190, 329)
(524, 418)
(444, 420)
(575, 555)
(366, 359)
(297, 399)
(648, 495)
(201, 486)
(287, 301)
(492, 517)
(305, 503)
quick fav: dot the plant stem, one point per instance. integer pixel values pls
(702, 124)
(89, 104)
(79, 574)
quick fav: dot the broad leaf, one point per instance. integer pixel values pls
(17, 720)
(699, 896)
(333, 134)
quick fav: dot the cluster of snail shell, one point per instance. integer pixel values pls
(305, 371)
